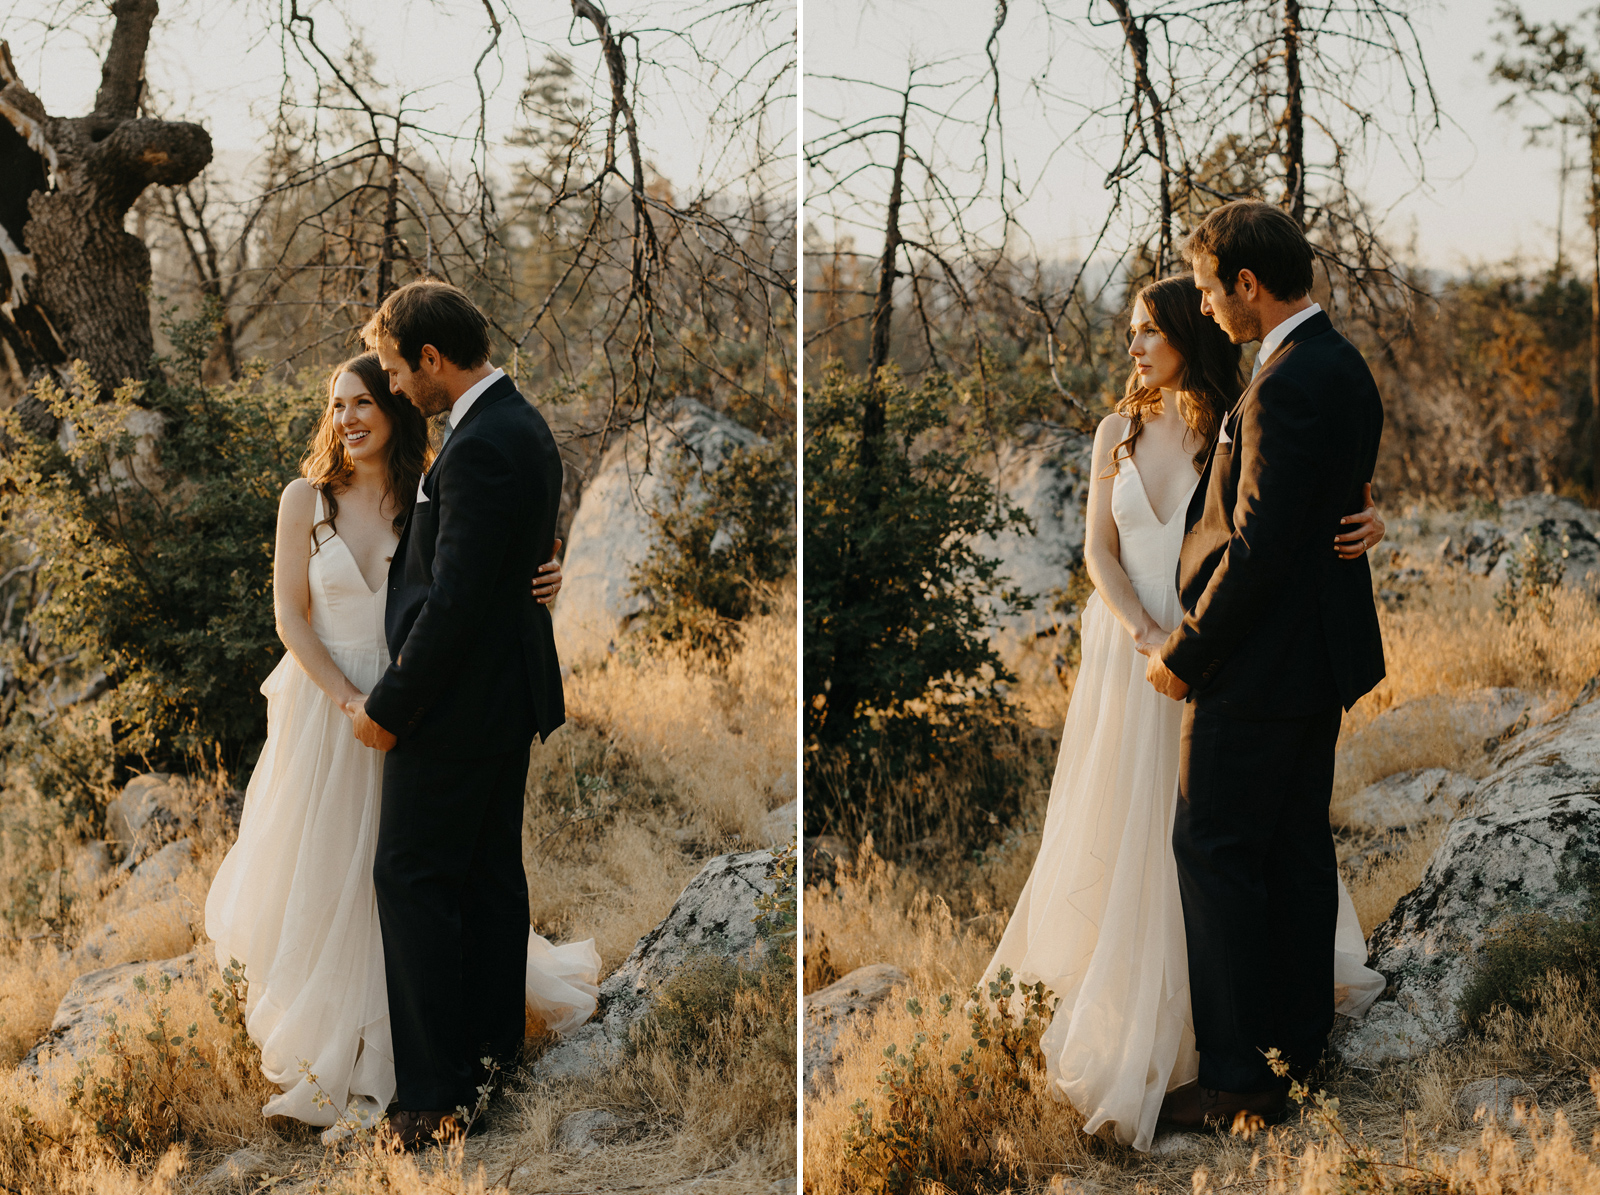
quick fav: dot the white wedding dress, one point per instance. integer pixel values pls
(1100, 921)
(293, 900)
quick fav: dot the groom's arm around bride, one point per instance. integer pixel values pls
(1279, 635)
(473, 677)
(1276, 624)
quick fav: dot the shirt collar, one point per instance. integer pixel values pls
(1271, 341)
(459, 409)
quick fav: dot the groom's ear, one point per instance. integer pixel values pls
(1247, 286)
(431, 361)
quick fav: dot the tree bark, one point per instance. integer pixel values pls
(1138, 43)
(83, 281)
(1594, 308)
(873, 415)
(391, 222)
(844, 692)
(1294, 117)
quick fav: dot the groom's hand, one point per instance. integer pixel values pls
(367, 731)
(1164, 680)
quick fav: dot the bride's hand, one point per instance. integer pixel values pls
(548, 583)
(1148, 641)
(1366, 529)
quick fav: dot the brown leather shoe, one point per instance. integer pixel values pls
(1192, 1108)
(418, 1130)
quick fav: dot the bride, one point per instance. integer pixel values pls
(293, 900)
(1099, 920)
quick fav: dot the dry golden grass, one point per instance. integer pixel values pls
(1009, 1136)
(1044, 682)
(728, 738)
(938, 919)
(1447, 637)
(878, 912)
(1376, 889)
(624, 805)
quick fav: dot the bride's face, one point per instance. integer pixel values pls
(1160, 365)
(359, 420)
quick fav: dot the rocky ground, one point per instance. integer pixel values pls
(1468, 794)
(551, 1124)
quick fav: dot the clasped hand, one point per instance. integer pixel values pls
(367, 732)
(1148, 643)
(545, 587)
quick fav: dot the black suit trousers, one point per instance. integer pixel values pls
(453, 905)
(1259, 882)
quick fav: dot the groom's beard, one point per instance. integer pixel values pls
(428, 396)
(1237, 318)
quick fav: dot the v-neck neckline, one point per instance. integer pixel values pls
(333, 533)
(1151, 506)
(356, 564)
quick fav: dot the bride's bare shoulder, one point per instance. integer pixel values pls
(1112, 431)
(298, 502)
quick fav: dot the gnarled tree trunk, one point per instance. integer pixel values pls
(76, 285)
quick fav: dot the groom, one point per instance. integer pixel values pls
(474, 677)
(1279, 636)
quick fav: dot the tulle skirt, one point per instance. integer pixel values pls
(1100, 920)
(294, 902)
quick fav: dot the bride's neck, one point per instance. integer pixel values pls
(368, 474)
(1169, 404)
(1170, 408)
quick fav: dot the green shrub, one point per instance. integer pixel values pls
(897, 596)
(133, 1108)
(152, 570)
(898, 664)
(717, 543)
(1533, 570)
(714, 1013)
(899, 1149)
(1520, 951)
(777, 912)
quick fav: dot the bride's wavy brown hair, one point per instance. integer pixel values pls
(1210, 382)
(327, 465)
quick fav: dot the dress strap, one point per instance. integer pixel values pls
(316, 522)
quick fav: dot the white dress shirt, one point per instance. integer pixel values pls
(459, 408)
(458, 412)
(1269, 345)
(1271, 341)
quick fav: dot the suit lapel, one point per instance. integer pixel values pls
(502, 387)
(1305, 330)
(1315, 326)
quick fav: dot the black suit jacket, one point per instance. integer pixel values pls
(1276, 625)
(474, 659)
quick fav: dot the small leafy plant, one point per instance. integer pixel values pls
(898, 1147)
(134, 1107)
(1533, 571)
(228, 1004)
(777, 912)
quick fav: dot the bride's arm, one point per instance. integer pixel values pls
(1102, 550)
(291, 592)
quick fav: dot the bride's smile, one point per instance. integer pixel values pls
(363, 426)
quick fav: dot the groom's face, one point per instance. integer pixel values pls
(422, 386)
(1232, 312)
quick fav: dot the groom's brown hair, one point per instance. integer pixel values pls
(433, 313)
(1250, 235)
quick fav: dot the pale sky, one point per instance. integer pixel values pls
(220, 63)
(1487, 196)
